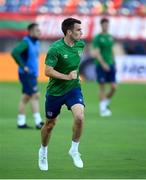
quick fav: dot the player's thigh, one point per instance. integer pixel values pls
(32, 85)
(100, 75)
(29, 84)
(53, 106)
(113, 86)
(23, 81)
(78, 112)
(73, 97)
(111, 75)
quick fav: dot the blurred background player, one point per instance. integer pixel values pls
(26, 55)
(105, 66)
(62, 66)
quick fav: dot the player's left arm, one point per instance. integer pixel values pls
(16, 54)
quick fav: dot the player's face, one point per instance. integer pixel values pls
(76, 33)
(35, 32)
(105, 26)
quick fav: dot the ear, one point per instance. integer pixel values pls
(69, 32)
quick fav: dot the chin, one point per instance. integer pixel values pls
(78, 39)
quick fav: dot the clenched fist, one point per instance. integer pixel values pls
(72, 75)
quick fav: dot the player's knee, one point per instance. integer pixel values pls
(49, 125)
(79, 118)
(36, 96)
(114, 87)
(25, 98)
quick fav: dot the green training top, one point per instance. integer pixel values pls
(63, 59)
(105, 44)
(18, 50)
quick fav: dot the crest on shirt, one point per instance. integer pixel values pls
(102, 39)
(80, 53)
(65, 56)
(110, 38)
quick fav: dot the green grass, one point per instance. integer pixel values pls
(113, 147)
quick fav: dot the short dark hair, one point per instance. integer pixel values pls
(104, 20)
(69, 24)
(31, 26)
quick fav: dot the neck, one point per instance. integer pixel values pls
(33, 38)
(104, 32)
(68, 41)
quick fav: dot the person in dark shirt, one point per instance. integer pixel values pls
(26, 55)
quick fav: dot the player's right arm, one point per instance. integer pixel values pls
(51, 72)
(51, 61)
(16, 54)
(95, 53)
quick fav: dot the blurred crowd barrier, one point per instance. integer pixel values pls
(121, 27)
(8, 68)
(130, 68)
(129, 33)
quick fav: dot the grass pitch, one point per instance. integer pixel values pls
(113, 147)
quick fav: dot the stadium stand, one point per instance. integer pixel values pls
(112, 7)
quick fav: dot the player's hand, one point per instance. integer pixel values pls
(72, 75)
(26, 69)
(106, 67)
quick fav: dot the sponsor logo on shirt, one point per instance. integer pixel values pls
(102, 39)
